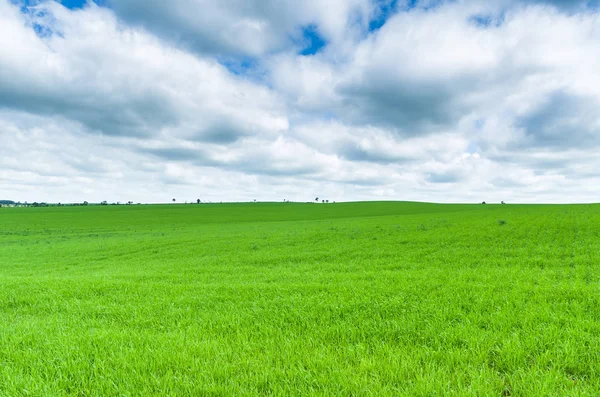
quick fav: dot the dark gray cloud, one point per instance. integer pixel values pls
(129, 115)
(563, 120)
(260, 165)
(410, 107)
(571, 5)
(177, 154)
(234, 28)
(353, 151)
(203, 26)
(223, 132)
(451, 176)
(253, 162)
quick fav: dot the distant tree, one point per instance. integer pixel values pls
(327, 201)
(174, 200)
(198, 201)
(323, 201)
(483, 202)
(104, 203)
(502, 202)
(317, 199)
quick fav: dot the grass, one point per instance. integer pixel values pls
(403, 299)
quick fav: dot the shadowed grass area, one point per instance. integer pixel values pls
(293, 299)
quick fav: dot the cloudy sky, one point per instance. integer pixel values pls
(232, 100)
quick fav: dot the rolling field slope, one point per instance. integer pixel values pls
(289, 299)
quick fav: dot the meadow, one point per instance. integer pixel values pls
(349, 299)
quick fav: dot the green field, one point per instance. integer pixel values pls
(373, 299)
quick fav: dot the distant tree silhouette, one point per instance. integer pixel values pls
(198, 201)
(174, 200)
(483, 202)
(317, 199)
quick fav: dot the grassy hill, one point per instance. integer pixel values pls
(382, 298)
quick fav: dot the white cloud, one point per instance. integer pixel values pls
(133, 103)
(120, 81)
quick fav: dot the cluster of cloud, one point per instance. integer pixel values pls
(271, 100)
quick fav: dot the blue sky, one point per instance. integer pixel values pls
(348, 100)
(384, 10)
(312, 42)
(73, 4)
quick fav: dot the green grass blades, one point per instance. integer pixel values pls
(362, 299)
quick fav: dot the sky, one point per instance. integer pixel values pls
(272, 100)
